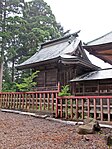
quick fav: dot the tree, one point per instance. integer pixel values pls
(40, 26)
(28, 83)
(8, 8)
(24, 26)
(3, 37)
(15, 27)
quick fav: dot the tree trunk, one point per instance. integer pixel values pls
(2, 46)
(13, 70)
(1, 75)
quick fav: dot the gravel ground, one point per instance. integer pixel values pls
(26, 132)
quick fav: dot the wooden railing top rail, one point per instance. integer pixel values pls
(79, 97)
(36, 92)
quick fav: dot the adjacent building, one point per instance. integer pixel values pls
(96, 82)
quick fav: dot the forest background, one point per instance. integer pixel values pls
(23, 27)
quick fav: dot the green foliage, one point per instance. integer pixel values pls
(9, 87)
(64, 91)
(24, 26)
(28, 82)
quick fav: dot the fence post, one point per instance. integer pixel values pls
(61, 107)
(59, 87)
(71, 107)
(52, 102)
(101, 108)
(22, 101)
(76, 108)
(0, 100)
(56, 106)
(108, 107)
(66, 108)
(88, 106)
(94, 100)
(82, 108)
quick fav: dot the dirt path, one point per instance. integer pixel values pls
(26, 132)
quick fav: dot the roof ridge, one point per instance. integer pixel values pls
(99, 37)
(60, 38)
(105, 69)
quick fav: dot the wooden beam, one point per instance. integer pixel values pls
(105, 59)
(105, 54)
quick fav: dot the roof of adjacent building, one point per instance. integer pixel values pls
(95, 75)
(101, 47)
(107, 38)
(64, 48)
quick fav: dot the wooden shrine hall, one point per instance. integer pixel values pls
(59, 60)
(64, 60)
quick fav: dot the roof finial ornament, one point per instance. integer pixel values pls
(71, 38)
(67, 32)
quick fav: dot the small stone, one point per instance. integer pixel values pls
(91, 125)
(85, 129)
(86, 138)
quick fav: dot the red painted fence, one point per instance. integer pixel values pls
(80, 107)
(29, 101)
(69, 107)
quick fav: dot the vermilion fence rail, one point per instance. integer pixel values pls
(80, 107)
(67, 107)
(30, 101)
(27, 101)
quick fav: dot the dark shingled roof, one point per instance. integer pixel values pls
(101, 47)
(62, 48)
(94, 75)
(107, 38)
(47, 53)
(50, 50)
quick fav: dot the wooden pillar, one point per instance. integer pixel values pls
(66, 108)
(83, 89)
(76, 108)
(88, 106)
(108, 108)
(71, 106)
(61, 108)
(101, 108)
(44, 78)
(59, 87)
(52, 102)
(56, 106)
(94, 108)
(82, 108)
(98, 88)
